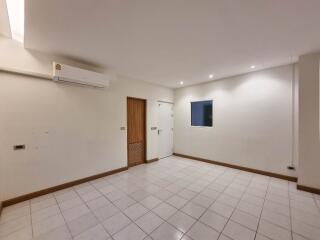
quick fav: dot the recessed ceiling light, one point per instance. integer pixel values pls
(181, 82)
(211, 76)
(16, 19)
(252, 66)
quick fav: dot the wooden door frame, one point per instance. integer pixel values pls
(145, 131)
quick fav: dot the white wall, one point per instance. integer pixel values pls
(70, 132)
(252, 120)
(14, 57)
(309, 108)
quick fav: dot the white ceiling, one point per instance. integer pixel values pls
(168, 41)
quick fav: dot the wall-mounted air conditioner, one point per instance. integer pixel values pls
(65, 73)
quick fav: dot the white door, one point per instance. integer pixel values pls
(165, 129)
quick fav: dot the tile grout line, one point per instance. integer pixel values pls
(65, 221)
(232, 212)
(177, 209)
(315, 201)
(100, 222)
(22, 227)
(31, 222)
(188, 200)
(264, 200)
(275, 212)
(162, 201)
(290, 209)
(206, 209)
(122, 213)
(290, 216)
(150, 210)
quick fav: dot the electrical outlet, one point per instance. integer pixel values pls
(19, 147)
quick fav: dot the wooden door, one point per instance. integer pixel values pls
(136, 120)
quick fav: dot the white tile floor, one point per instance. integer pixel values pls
(171, 199)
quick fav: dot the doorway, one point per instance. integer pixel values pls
(165, 130)
(136, 125)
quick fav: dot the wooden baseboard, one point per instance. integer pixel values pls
(152, 160)
(270, 174)
(83, 180)
(136, 164)
(62, 186)
(308, 189)
(59, 187)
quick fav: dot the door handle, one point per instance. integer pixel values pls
(159, 131)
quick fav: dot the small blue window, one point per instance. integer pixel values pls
(201, 113)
